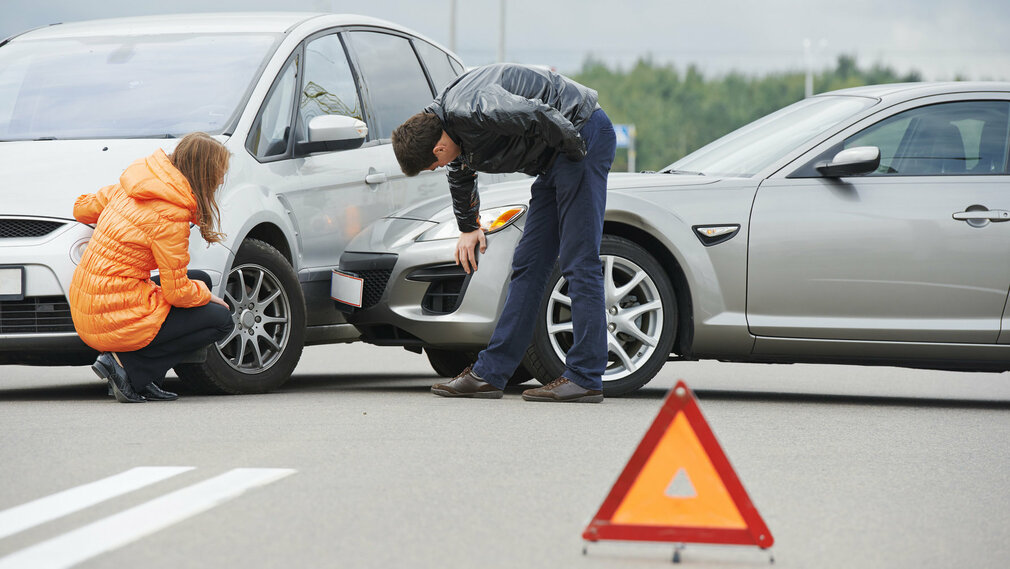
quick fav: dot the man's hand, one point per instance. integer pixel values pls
(214, 299)
(465, 254)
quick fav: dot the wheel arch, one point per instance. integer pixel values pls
(656, 248)
(272, 235)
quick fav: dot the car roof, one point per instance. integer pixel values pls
(224, 22)
(922, 89)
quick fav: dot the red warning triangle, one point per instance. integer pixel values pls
(679, 486)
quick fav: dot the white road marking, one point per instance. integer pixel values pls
(20, 518)
(130, 525)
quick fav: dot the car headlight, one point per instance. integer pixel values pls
(499, 217)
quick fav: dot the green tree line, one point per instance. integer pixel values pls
(676, 112)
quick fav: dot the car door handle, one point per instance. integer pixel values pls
(987, 215)
(376, 178)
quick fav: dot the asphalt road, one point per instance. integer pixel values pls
(355, 464)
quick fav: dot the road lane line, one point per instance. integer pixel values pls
(120, 529)
(31, 514)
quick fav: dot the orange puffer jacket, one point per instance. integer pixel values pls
(143, 224)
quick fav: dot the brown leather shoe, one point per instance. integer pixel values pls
(562, 390)
(466, 385)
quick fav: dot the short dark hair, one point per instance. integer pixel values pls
(414, 142)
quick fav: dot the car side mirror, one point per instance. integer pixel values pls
(850, 162)
(333, 132)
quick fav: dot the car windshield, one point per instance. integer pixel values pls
(126, 87)
(748, 150)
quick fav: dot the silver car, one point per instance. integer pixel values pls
(304, 102)
(862, 226)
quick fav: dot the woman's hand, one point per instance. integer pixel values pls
(465, 254)
(217, 300)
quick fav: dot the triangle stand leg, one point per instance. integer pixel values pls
(676, 552)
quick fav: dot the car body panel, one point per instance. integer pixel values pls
(307, 207)
(861, 258)
(861, 270)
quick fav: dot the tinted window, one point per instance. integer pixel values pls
(129, 86)
(328, 85)
(270, 133)
(392, 79)
(437, 61)
(949, 139)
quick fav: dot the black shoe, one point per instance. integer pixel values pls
(154, 393)
(106, 367)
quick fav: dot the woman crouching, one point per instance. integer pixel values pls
(142, 325)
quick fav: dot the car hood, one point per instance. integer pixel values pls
(43, 178)
(518, 192)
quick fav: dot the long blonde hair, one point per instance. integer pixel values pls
(204, 162)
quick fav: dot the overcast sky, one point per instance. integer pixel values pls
(942, 39)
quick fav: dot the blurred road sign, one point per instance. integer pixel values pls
(625, 133)
(626, 139)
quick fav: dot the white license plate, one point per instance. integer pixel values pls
(12, 283)
(346, 288)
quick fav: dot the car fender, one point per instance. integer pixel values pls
(714, 275)
(243, 208)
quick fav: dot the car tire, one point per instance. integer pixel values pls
(449, 363)
(644, 342)
(269, 313)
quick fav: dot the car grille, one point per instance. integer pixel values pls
(374, 285)
(35, 315)
(442, 296)
(15, 228)
(448, 283)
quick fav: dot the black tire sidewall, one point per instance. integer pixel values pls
(448, 363)
(216, 374)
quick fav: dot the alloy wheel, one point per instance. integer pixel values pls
(634, 317)
(262, 317)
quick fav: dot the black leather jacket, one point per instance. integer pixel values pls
(509, 118)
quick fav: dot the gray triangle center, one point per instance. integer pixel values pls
(680, 486)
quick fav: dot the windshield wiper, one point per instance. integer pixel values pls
(688, 172)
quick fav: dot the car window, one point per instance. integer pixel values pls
(438, 64)
(269, 134)
(960, 138)
(751, 148)
(328, 85)
(153, 85)
(393, 82)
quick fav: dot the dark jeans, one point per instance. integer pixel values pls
(183, 331)
(565, 222)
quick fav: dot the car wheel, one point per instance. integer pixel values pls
(269, 313)
(448, 363)
(641, 318)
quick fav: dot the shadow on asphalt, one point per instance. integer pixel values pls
(78, 392)
(833, 399)
(399, 383)
(362, 382)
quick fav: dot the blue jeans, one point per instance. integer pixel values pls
(565, 222)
